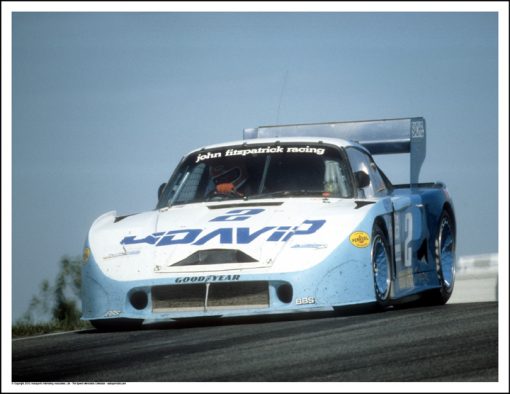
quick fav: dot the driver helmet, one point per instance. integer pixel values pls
(228, 177)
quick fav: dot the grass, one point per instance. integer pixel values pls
(23, 329)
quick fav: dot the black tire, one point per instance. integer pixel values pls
(121, 324)
(381, 266)
(444, 258)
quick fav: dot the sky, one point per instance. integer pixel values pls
(104, 105)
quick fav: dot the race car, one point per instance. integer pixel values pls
(293, 218)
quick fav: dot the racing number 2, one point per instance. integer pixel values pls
(406, 239)
(237, 215)
(408, 228)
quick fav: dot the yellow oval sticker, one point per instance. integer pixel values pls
(360, 239)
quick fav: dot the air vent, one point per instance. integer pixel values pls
(216, 256)
(242, 205)
(119, 218)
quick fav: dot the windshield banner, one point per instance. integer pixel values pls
(260, 150)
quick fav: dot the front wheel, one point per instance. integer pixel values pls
(381, 267)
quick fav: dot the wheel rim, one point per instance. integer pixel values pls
(447, 254)
(381, 270)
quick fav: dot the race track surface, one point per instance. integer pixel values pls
(457, 342)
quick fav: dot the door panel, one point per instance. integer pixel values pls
(408, 236)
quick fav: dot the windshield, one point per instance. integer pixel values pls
(259, 171)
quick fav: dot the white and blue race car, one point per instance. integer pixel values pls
(293, 218)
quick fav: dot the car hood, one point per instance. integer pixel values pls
(276, 235)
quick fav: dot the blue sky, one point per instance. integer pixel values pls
(104, 105)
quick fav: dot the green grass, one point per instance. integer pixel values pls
(23, 329)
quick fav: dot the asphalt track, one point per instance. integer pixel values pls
(454, 342)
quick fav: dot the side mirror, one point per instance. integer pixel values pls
(160, 190)
(362, 179)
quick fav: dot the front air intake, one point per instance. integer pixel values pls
(207, 296)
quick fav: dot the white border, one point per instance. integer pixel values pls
(6, 197)
(503, 236)
(253, 6)
(501, 7)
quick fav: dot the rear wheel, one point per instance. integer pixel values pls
(381, 266)
(444, 255)
(117, 324)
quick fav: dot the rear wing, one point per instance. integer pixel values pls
(385, 136)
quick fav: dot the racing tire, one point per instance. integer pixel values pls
(117, 324)
(381, 266)
(444, 258)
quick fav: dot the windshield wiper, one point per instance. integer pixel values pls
(222, 197)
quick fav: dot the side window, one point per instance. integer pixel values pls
(380, 188)
(185, 188)
(360, 161)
